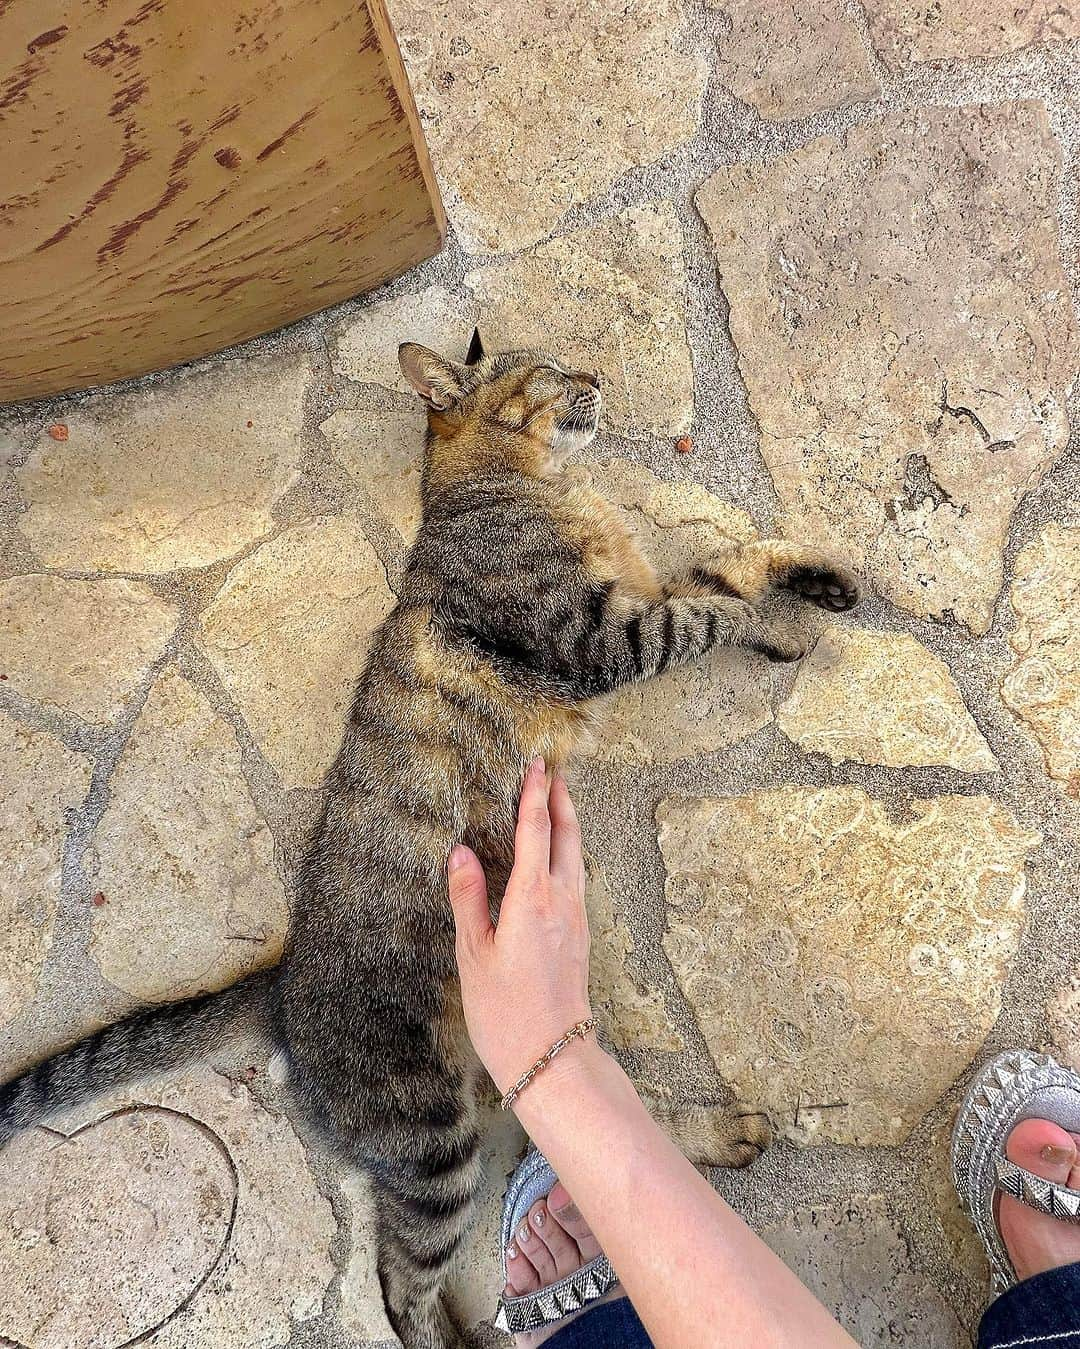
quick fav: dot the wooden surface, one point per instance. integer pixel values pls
(178, 175)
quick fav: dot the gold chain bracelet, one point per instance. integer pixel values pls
(577, 1032)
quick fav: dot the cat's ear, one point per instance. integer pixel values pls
(476, 348)
(437, 381)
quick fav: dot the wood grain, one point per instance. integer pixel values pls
(179, 175)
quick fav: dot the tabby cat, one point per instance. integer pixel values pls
(523, 602)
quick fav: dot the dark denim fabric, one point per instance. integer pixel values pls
(1043, 1310)
(612, 1325)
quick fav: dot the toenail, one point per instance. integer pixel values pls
(539, 1217)
(524, 1234)
(511, 1252)
(1058, 1156)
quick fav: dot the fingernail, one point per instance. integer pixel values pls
(1058, 1156)
(539, 766)
(539, 1218)
(511, 1252)
(458, 857)
(524, 1235)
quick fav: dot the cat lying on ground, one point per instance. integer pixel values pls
(524, 601)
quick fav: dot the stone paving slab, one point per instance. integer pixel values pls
(287, 634)
(178, 475)
(186, 895)
(794, 59)
(612, 298)
(165, 1217)
(531, 111)
(40, 782)
(377, 448)
(854, 1258)
(882, 698)
(904, 33)
(1043, 687)
(863, 957)
(927, 368)
(81, 646)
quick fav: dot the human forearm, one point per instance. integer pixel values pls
(695, 1272)
(697, 1275)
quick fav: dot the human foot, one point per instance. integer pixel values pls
(553, 1241)
(1035, 1241)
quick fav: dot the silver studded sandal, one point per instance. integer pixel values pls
(534, 1179)
(1015, 1086)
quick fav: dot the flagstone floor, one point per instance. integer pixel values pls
(824, 255)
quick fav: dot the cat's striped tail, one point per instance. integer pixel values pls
(150, 1041)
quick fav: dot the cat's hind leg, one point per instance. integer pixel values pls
(426, 1202)
(424, 1212)
(732, 1134)
(748, 570)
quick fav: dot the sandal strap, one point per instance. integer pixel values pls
(533, 1311)
(1045, 1196)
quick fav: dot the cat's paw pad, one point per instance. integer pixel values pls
(826, 584)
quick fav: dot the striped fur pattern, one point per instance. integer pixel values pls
(523, 602)
(154, 1038)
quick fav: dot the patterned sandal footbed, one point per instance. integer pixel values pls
(534, 1179)
(1015, 1086)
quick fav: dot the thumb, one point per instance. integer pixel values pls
(468, 898)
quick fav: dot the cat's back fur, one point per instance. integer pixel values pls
(445, 720)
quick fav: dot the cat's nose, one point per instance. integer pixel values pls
(589, 377)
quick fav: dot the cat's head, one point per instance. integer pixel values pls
(526, 409)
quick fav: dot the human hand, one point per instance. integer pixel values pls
(525, 982)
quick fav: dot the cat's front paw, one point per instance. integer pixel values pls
(825, 583)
